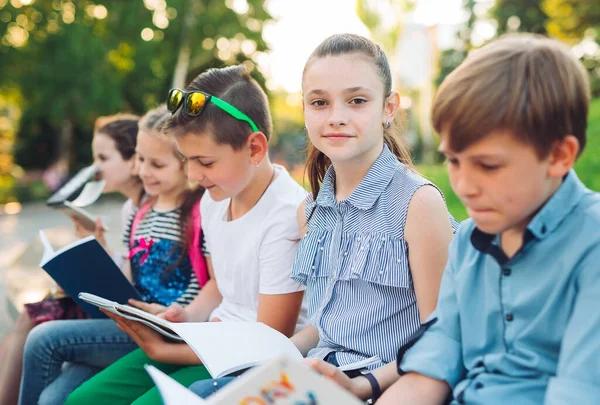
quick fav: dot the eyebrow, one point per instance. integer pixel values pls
(355, 89)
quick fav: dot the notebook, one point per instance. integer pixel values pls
(84, 266)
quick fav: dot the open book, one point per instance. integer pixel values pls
(87, 220)
(90, 193)
(84, 265)
(228, 347)
(225, 348)
(126, 311)
(282, 381)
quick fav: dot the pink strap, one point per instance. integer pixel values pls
(195, 253)
(137, 218)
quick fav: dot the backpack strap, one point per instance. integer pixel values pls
(137, 219)
(195, 250)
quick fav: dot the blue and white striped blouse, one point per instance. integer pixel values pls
(354, 262)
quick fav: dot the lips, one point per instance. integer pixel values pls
(337, 136)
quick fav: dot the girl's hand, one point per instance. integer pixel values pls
(80, 230)
(153, 309)
(333, 373)
(99, 233)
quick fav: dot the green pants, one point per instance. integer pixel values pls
(126, 382)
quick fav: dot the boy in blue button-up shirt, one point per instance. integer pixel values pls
(517, 320)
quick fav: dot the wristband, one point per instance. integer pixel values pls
(375, 388)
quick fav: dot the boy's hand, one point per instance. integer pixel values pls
(153, 309)
(175, 313)
(150, 341)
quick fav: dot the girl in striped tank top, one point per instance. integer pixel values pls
(376, 233)
(366, 293)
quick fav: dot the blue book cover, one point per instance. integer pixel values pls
(84, 266)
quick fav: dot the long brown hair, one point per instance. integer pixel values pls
(153, 123)
(347, 44)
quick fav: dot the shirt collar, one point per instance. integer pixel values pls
(370, 187)
(548, 218)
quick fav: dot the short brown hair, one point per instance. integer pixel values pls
(234, 85)
(528, 84)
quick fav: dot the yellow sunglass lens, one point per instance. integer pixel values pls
(195, 103)
(174, 100)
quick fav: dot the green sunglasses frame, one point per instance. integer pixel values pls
(223, 105)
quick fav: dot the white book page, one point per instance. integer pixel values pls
(48, 249)
(226, 347)
(158, 324)
(360, 364)
(171, 391)
(90, 193)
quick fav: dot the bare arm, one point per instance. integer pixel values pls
(428, 233)
(301, 217)
(416, 389)
(306, 339)
(280, 311)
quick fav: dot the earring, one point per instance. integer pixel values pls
(256, 164)
(305, 129)
(387, 125)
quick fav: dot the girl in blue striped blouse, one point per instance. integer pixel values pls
(377, 233)
(366, 293)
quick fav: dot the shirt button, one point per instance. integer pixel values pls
(345, 253)
(321, 248)
(509, 317)
(506, 272)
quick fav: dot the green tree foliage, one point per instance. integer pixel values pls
(521, 15)
(75, 60)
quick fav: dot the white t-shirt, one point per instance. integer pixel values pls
(254, 254)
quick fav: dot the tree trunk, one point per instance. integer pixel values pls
(185, 50)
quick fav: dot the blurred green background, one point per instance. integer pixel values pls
(64, 63)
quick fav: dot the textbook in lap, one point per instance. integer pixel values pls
(282, 381)
(126, 311)
(226, 348)
(85, 266)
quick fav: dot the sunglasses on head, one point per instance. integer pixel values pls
(194, 103)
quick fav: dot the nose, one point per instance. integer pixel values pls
(195, 172)
(337, 116)
(464, 183)
(142, 169)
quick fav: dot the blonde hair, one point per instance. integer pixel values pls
(528, 84)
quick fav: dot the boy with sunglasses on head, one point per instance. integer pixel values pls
(250, 228)
(517, 318)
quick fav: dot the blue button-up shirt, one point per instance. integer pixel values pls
(524, 330)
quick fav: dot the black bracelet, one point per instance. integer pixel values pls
(375, 388)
